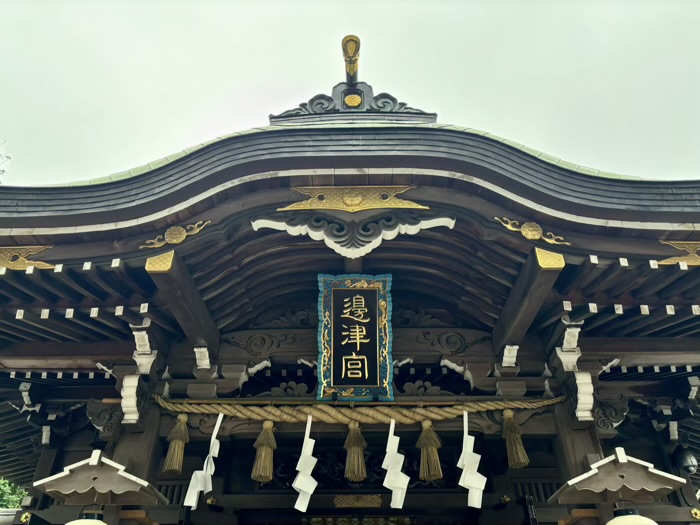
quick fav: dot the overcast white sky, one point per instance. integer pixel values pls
(93, 87)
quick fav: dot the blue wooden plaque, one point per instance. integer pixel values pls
(354, 338)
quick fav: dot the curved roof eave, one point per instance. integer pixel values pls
(281, 150)
(551, 159)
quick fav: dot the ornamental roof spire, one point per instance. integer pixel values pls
(351, 54)
(352, 100)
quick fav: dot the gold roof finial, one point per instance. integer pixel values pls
(351, 53)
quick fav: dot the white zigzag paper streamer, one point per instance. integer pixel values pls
(201, 479)
(395, 480)
(469, 462)
(304, 484)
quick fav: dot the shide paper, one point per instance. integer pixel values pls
(304, 483)
(395, 480)
(469, 463)
(201, 479)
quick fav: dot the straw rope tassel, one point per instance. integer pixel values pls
(263, 468)
(429, 443)
(355, 444)
(517, 456)
(176, 450)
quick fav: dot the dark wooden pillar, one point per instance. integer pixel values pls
(47, 465)
(138, 447)
(577, 444)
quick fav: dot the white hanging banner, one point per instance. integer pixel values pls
(469, 463)
(304, 483)
(395, 480)
(201, 479)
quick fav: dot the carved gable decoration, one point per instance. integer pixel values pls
(353, 238)
(354, 338)
(99, 479)
(618, 476)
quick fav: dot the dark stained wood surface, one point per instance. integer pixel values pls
(524, 302)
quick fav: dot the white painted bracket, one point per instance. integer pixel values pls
(249, 372)
(510, 355)
(129, 392)
(569, 352)
(584, 396)
(201, 355)
(144, 355)
(399, 364)
(306, 362)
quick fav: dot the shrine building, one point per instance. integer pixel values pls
(353, 316)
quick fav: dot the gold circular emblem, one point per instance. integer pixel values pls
(25, 517)
(175, 235)
(352, 198)
(531, 231)
(695, 513)
(353, 100)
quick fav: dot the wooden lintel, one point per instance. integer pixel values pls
(65, 394)
(642, 351)
(180, 292)
(526, 298)
(63, 356)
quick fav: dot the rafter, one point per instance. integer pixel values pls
(527, 297)
(180, 292)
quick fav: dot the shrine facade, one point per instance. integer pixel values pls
(353, 316)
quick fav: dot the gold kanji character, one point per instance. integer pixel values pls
(354, 308)
(354, 366)
(355, 335)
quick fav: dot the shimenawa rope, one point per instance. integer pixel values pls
(344, 415)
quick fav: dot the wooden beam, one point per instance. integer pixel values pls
(581, 275)
(642, 351)
(553, 315)
(67, 394)
(46, 356)
(24, 285)
(668, 276)
(44, 325)
(526, 298)
(67, 277)
(605, 314)
(611, 275)
(88, 322)
(104, 281)
(180, 293)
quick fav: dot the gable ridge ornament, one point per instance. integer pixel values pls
(353, 99)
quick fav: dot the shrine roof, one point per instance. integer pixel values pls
(348, 133)
(349, 122)
(495, 164)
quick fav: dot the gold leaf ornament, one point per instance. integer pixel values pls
(532, 231)
(353, 198)
(692, 259)
(18, 257)
(175, 235)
